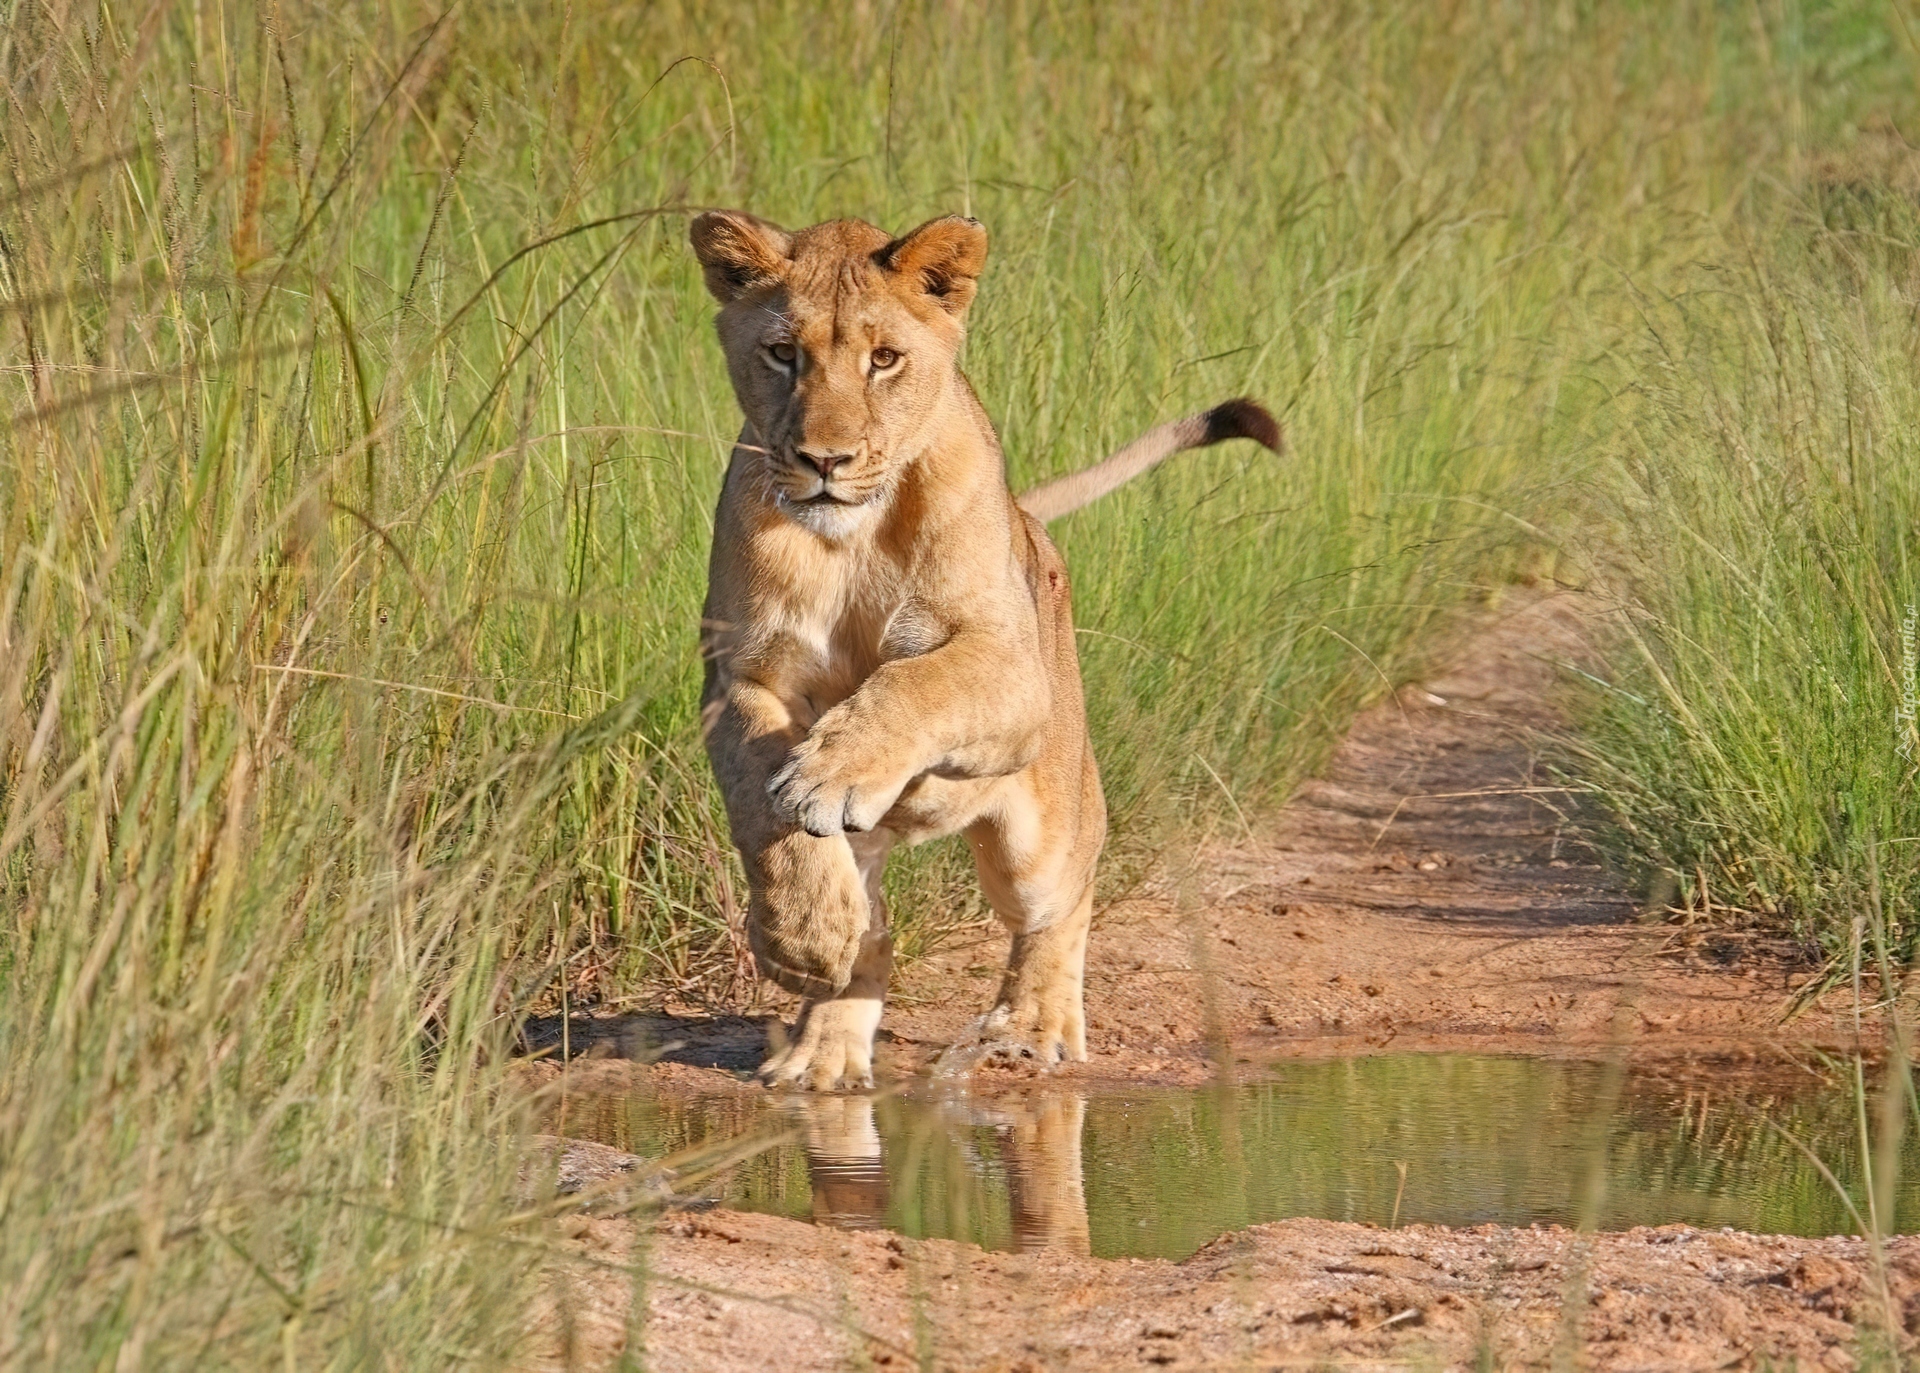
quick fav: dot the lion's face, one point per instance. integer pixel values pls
(841, 343)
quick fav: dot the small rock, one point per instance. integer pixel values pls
(1816, 1272)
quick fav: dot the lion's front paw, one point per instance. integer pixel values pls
(826, 788)
(832, 1047)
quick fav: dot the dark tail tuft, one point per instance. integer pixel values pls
(1242, 418)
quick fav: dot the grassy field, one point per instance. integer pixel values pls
(362, 422)
(1758, 745)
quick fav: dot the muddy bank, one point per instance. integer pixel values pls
(733, 1291)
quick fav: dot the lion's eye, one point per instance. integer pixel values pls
(783, 353)
(883, 358)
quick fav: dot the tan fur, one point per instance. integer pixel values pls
(888, 636)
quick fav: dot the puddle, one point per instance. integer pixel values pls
(1158, 1173)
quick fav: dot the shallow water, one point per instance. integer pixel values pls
(1160, 1172)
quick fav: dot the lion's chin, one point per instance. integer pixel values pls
(830, 516)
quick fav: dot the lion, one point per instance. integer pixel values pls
(888, 637)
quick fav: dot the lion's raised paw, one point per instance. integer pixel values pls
(822, 790)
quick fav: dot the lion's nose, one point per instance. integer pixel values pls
(823, 463)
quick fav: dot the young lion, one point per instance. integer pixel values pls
(889, 648)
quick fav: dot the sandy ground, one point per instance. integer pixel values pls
(734, 1291)
(1426, 893)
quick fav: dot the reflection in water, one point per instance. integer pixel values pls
(844, 1159)
(1039, 1151)
(1046, 1189)
(1159, 1173)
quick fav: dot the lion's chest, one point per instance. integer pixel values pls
(833, 643)
(837, 652)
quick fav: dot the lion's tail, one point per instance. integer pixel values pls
(1234, 419)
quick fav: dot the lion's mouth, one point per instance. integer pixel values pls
(819, 499)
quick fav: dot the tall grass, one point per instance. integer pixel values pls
(361, 430)
(1759, 743)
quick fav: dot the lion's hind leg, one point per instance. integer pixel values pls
(1039, 1015)
(1045, 897)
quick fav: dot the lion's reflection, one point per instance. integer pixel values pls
(1038, 1136)
(1040, 1140)
(844, 1160)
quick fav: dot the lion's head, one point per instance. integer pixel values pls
(841, 342)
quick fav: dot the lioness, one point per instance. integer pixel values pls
(889, 649)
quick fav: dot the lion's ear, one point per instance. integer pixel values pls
(945, 256)
(737, 251)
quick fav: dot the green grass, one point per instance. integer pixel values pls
(1758, 746)
(363, 420)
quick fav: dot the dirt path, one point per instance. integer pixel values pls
(1425, 894)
